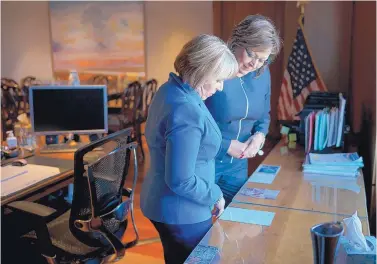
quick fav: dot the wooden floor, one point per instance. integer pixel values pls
(152, 253)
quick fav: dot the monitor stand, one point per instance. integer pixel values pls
(69, 146)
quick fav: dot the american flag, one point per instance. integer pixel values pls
(300, 78)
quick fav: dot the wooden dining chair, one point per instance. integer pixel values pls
(11, 98)
(129, 114)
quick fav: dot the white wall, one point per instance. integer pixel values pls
(25, 36)
(169, 25)
(329, 37)
(25, 40)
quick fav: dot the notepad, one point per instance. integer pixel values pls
(292, 137)
(284, 130)
(15, 178)
(247, 216)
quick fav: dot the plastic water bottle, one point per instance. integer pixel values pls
(73, 78)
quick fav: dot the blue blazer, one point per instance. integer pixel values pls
(183, 140)
(241, 111)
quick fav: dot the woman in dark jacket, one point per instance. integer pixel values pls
(242, 109)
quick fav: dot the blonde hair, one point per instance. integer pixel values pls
(205, 57)
(256, 31)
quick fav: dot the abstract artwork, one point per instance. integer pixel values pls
(97, 36)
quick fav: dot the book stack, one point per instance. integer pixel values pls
(338, 164)
(324, 128)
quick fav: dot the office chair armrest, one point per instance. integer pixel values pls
(39, 215)
(32, 208)
(127, 192)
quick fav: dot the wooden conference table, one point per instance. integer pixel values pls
(301, 204)
(63, 161)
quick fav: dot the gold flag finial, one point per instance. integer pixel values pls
(302, 4)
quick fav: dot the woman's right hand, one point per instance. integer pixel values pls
(219, 208)
(236, 148)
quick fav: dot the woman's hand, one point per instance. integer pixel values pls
(236, 148)
(255, 143)
(219, 208)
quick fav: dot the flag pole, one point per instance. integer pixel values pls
(301, 5)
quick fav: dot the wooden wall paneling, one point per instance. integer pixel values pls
(363, 62)
(362, 104)
(277, 68)
(228, 14)
(228, 19)
(217, 21)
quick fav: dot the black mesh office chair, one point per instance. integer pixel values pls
(92, 230)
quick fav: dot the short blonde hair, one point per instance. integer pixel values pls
(204, 57)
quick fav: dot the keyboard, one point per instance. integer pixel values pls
(61, 148)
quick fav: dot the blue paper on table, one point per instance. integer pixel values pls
(247, 216)
(264, 174)
(202, 254)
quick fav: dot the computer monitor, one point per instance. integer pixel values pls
(68, 109)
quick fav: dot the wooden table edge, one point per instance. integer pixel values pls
(65, 177)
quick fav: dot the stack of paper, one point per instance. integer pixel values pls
(339, 164)
(15, 178)
(324, 128)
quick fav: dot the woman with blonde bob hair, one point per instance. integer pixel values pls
(242, 110)
(179, 194)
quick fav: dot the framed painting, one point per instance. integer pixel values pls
(97, 36)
